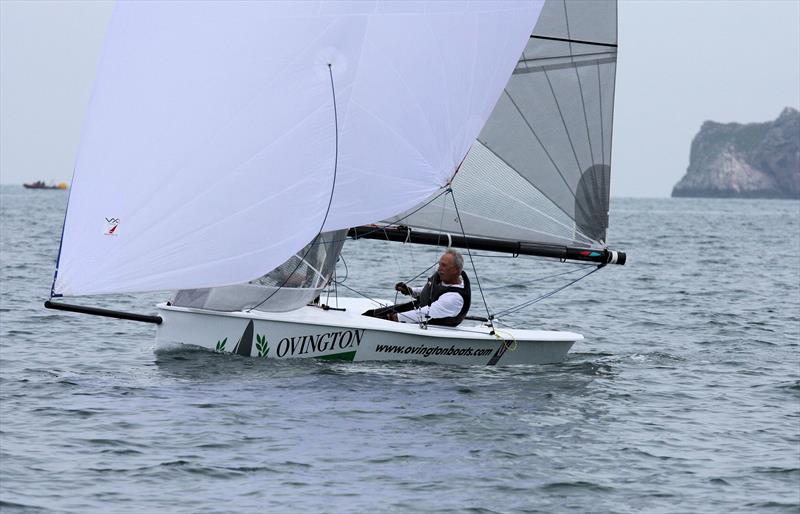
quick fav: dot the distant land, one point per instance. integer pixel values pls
(753, 160)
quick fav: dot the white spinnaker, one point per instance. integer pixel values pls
(210, 138)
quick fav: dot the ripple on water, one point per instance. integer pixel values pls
(682, 398)
(579, 485)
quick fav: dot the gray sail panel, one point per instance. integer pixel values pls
(494, 201)
(578, 20)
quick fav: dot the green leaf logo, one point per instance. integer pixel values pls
(262, 346)
(221, 345)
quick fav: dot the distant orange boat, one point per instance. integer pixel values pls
(41, 185)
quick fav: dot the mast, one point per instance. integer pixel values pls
(405, 235)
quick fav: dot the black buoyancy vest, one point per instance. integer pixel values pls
(434, 289)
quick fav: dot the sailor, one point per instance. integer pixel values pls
(445, 298)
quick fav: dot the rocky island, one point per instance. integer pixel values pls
(753, 160)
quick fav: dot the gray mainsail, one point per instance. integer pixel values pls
(540, 170)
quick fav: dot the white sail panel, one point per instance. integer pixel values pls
(209, 148)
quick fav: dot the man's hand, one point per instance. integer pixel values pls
(402, 288)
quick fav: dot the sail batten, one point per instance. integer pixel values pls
(569, 40)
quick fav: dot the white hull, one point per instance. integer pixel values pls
(347, 335)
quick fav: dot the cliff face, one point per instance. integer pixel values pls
(756, 160)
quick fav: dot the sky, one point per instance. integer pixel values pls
(681, 62)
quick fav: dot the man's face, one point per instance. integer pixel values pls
(447, 269)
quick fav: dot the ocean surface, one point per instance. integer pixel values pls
(684, 396)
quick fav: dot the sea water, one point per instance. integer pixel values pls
(684, 396)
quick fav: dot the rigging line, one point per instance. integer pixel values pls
(410, 248)
(362, 294)
(505, 324)
(546, 295)
(346, 270)
(471, 260)
(570, 40)
(328, 298)
(335, 289)
(391, 249)
(441, 219)
(330, 200)
(421, 273)
(61, 240)
(495, 256)
(541, 278)
(381, 228)
(553, 162)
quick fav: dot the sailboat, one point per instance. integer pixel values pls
(261, 135)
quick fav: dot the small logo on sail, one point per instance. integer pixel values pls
(111, 226)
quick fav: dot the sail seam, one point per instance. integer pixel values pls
(571, 145)
(563, 124)
(471, 260)
(591, 198)
(544, 148)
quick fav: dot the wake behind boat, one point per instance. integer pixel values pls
(488, 129)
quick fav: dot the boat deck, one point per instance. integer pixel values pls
(352, 317)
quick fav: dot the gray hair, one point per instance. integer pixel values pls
(458, 259)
